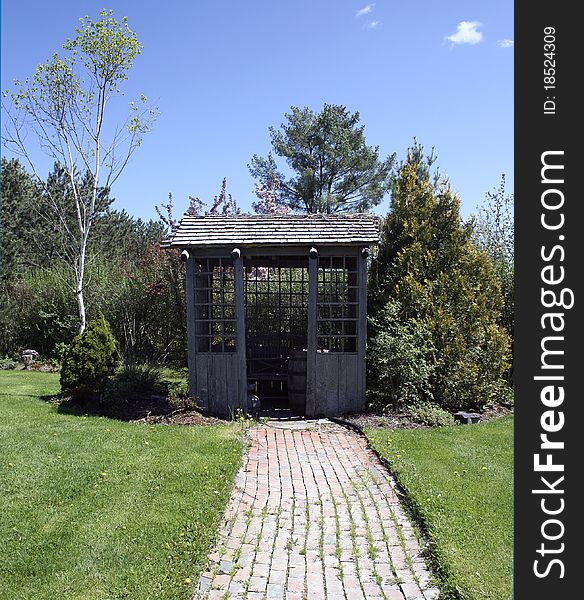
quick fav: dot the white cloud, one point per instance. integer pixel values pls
(466, 33)
(374, 25)
(506, 43)
(365, 10)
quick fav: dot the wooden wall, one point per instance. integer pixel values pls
(217, 384)
(339, 387)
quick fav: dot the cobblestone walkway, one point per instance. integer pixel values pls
(314, 515)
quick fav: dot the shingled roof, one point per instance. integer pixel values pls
(264, 230)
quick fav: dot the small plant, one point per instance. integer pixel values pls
(240, 416)
(8, 363)
(142, 375)
(292, 541)
(432, 415)
(135, 381)
(91, 359)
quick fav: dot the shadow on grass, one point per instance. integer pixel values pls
(129, 409)
(121, 400)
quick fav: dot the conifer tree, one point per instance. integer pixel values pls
(429, 264)
(333, 169)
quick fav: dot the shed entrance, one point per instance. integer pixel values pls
(276, 318)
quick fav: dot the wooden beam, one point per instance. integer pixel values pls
(362, 327)
(240, 331)
(311, 383)
(191, 342)
(274, 250)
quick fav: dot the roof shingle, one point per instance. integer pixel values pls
(291, 230)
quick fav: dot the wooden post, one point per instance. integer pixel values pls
(240, 331)
(191, 325)
(311, 408)
(362, 326)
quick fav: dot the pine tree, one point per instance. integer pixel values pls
(333, 169)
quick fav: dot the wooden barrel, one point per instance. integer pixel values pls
(297, 380)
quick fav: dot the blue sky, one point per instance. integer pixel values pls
(222, 72)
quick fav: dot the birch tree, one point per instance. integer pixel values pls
(66, 109)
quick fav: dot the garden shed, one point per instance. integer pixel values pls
(276, 308)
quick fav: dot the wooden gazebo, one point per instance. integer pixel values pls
(276, 307)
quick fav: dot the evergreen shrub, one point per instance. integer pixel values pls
(429, 274)
(91, 359)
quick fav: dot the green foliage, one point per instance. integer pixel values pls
(19, 195)
(494, 231)
(134, 382)
(66, 104)
(431, 414)
(91, 359)
(8, 363)
(428, 263)
(334, 169)
(38, 311)
(139, 287)
(401, 359)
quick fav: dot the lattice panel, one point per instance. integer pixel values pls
(276, 302)
(215, 305)
(337, 302)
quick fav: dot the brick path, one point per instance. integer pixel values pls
(314, 515)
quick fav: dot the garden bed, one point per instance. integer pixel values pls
(400, 420)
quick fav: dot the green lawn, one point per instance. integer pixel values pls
(459, 480)
(94, 508)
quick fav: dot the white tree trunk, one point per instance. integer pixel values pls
(79, 279)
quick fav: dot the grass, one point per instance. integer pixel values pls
(94, 508)
(458, 482)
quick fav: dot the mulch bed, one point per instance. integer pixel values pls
(181, 417)
(156, 409)
(148, 409)
(390, 421)
(403, 421)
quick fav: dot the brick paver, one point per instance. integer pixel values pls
(314, 515)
